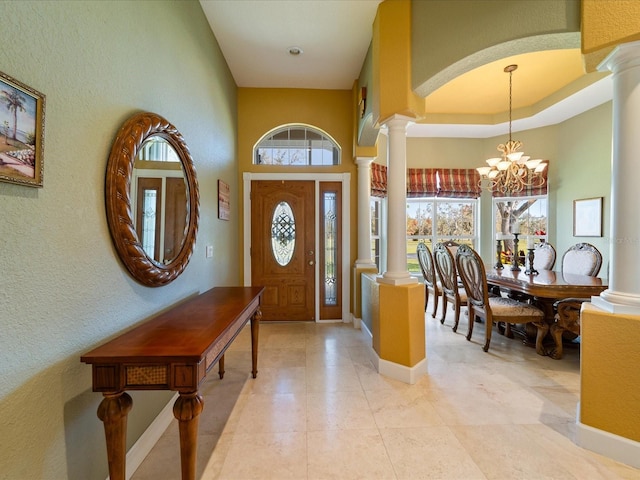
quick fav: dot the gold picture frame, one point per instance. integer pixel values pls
(21, 133)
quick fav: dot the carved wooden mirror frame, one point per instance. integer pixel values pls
(124, 151)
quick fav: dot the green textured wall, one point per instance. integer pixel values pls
(579, 154)
(583, 170)
(63, 289)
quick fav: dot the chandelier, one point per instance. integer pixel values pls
(513, 171)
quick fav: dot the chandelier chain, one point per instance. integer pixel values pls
(510, 100)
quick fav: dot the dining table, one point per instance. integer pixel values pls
(544, 289)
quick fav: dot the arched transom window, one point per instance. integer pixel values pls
(296, 145)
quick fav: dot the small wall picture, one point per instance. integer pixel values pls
(21, 133)
(587, 217)
(224, 206)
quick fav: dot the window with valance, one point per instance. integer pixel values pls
(378, 180)
(430, 182)
(459, 183)
(422, 182)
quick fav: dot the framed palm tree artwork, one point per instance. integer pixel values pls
(21, 133)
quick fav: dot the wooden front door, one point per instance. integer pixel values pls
(283, 248)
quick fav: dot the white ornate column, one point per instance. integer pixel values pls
(623, 294)
(397, 273)
(364, 213)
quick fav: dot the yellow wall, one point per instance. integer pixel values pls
(401, 324)
(392, 93)
(394, 314)
(261, 110)
(610, 377)
(606, 24)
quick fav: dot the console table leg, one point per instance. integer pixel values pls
(255, 325)
(187, 410)
(113, 412)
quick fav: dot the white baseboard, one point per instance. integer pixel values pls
(393, 370)
(366, 333)
(610, 445)
(402, 373)
(142, 447)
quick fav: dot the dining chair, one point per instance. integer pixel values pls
(451, 290)
(567, 323)
(493, 309)
(452, 246)
(582, 259)
(544, 256)
(432, 284)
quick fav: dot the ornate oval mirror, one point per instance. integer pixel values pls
(152, 199)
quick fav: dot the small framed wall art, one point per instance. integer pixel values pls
(587, 217)
(21, 133)
(224, 206)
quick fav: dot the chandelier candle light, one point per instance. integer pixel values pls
(513, 171)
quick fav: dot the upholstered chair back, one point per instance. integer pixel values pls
(582, 259)
(545, 257)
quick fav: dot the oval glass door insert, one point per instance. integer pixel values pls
(283, 233)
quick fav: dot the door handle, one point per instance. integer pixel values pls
(311, 262)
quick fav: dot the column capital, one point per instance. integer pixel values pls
(364, 161)
(625, 55)
(395, 122)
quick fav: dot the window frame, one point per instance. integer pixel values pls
(434, 237)
(523, 237)
(494, 215)
(376, 238)
(309, 143)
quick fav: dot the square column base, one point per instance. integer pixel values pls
(609, 383)
(399, 331)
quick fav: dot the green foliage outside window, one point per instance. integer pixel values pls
(454, 219)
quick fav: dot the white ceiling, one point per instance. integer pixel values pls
(255, 37)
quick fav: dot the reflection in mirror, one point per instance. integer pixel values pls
(152, 199)
(159, 199)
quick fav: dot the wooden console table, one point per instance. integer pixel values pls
(173, 351)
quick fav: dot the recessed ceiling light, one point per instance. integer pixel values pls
(295, 51)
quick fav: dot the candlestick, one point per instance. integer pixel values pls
(531, 270)
(498, 265)
(515, 267)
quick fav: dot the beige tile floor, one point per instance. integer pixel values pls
(318, 410)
